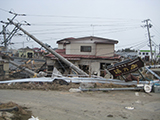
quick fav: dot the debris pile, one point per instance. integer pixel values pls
(12, 111)
(38, 86)
(55, 86)
(111, 85)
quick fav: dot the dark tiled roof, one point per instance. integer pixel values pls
(106, 40)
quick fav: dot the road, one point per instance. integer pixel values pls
(64, 105)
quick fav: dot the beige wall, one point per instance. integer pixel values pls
(75, 49)
(6, 67)
(97, 49)
(60, 46)
(104, 50)
(25, 53)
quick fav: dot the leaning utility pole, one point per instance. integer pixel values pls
(4, 36)
(78, 70)
(148, 25)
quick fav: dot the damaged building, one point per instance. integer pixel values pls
(4, 67)
(91, 54)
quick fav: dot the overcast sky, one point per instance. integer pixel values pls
(53, 20)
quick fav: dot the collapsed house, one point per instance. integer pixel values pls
(91, 54)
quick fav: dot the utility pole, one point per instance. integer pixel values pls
(4, 31)
(159, 48)
(148, 25)
(7, 39)
(4, 36)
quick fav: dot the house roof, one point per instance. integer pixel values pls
(96, 40)
(27, 48)
(78, 57)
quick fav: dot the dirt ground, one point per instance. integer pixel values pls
(60, 105)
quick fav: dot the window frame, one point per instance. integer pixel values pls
(85, 48)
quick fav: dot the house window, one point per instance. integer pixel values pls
(50, 67)
(30, 55)
(2, 71)
(146, 53)
(85, 48)
(104, 65)
(85, 68)
(143, 53)
(139, 53)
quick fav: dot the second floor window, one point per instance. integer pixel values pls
(85, 48)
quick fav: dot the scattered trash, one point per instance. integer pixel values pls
(74, 90)
(137, 93)
(33, 118)
(12, 111)
(156, 88)
(87, 85)
(147, 88)
(109, 115)
(138, 101)
(129, 108)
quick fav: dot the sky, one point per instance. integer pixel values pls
(53, 20)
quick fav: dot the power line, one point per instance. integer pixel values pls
(3, 10)
(100, 31)
(156, 31)
(62, 16)
(120, 30)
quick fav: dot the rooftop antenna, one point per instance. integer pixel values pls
(92, 29)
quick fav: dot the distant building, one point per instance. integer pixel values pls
(39, 53)
(26, 52)
(130, 55)
(2, 48)
(91, 54)
(146, 54)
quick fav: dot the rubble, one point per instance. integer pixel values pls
(56, 86)
(38, 86)
(13, 111)
(33, 118)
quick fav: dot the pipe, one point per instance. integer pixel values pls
(110, 89)
(26, 69)
(153, 73)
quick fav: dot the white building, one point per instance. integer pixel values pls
(146, 54)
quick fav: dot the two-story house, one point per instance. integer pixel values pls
(91, 54)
